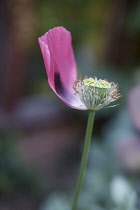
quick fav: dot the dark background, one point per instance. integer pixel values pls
(40, 137)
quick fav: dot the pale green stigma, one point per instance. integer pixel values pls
(96, 94)
(94, 82)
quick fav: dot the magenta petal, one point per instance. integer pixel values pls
(60, 65)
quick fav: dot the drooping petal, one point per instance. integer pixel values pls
(60, 65)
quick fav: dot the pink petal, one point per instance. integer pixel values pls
(134, 106)
(60, 65)
(128, 154)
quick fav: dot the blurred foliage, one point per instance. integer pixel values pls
(14, 175)
(133, 21)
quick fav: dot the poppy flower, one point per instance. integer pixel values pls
(61, 69)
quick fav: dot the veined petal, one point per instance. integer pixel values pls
(60, 65)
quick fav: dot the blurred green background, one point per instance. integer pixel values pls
(41, 138)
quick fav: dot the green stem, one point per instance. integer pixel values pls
(84, 158)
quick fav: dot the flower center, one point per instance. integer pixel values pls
(94, 82)
(93, 93)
